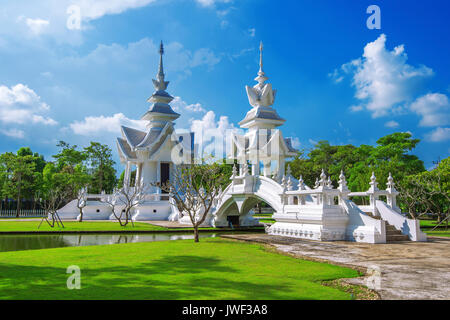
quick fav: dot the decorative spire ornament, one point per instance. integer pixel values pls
(301, 184)
(373, 182)
(261, 94)
(234, 171)
(329, 183)
(290, 185)
(316, 184)
(390, 183)
(160, 111)
(323, 179)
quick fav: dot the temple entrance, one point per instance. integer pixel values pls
(165, 174)
(233, 221)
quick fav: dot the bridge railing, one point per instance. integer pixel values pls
(325, 194)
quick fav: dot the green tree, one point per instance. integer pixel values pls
(20, 175)
(101, 167)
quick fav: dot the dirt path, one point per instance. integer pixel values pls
(403, 270)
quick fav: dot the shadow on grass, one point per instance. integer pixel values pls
(171, 277)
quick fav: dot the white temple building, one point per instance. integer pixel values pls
(321, 212)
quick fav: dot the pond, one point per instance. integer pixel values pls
(45, 241)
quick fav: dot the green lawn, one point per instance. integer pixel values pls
(267, 220)
(6, 225)
(431, 223)
(438, 233)
(212, 269)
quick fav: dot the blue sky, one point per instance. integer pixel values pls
(336, 79)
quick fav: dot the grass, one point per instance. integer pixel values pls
(212, 269)
(267, 220)
(428, 224)
(24, 226)
(101, 226)
(437, 233)
(262, 214)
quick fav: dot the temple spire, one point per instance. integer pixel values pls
(161, 67)
(160, 111)
(261, 58)
(261, 75)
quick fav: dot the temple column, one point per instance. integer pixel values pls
(158, 172)
(138, 173)
(126, 178)
(255, 168)
(281, 168)
(266, 169)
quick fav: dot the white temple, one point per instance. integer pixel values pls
(321, 212)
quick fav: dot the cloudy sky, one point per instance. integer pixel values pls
(62, 78)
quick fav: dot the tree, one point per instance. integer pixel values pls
(101, 167)
(122, 177)
(193, 188)
(20, 176)
(53, 200)
(79, 182)
(124, 200)
(68, 157)
(427, 192)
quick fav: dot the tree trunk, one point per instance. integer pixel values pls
(196, 233)
(18, 204)
(81, 214)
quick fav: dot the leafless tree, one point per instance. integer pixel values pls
(124, 200)
(55, 199)
(193, 188)
(81, 201)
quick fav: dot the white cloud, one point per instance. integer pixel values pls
(356, 108)
(94, 126)
(180, 106)
(94, 9)
(434, 108)
(210, 135)
(138, 55)
(295, 142)
(13, 133)
(208, 127)
(204, 56)
(210, 3)
(391, 124)
(382, 78)
(37, 26)
(21, 105)
(439, 134)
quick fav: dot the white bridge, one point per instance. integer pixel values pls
(322, 213)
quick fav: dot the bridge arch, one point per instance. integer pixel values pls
(243, 194)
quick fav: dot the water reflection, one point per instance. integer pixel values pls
(33, 242)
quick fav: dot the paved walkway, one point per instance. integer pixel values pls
(402, 270)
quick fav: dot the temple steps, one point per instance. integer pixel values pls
(392, 234)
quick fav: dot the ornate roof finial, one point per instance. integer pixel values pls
(161, 67)
(260, 58)
(261, 75)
